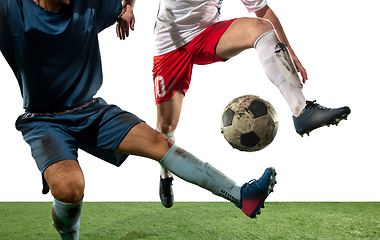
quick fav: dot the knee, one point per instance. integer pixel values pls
(69, 191)
(264, 25)
(258, 27)
(66, 181)
(166, 125)
(162, 141)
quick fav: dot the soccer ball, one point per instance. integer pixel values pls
(249, 123)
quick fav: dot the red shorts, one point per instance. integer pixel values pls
(172, 71)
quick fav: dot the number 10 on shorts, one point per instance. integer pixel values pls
(159, 84)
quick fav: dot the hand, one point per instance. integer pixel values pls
(299, 67)
(125, 22)
(301, 70)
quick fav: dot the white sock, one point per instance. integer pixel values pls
(280, 69)
(193, 170)
(66, 218)
(164, 173)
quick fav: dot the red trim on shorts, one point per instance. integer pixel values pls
(172, 71)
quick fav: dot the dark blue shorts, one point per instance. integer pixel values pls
(95, 127)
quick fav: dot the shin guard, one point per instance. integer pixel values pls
(280, 69)
(66, 219)
(193, 170)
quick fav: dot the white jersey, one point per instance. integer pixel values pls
(179, 21)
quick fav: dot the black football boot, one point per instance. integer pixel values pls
(166, 192)
(314, 116)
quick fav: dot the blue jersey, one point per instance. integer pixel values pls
(55, 55)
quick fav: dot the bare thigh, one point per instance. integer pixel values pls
(241, 35)
(144, 141)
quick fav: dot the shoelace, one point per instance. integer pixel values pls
(250, 183)
(313, 104)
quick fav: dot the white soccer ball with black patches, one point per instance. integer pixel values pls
(249, 123)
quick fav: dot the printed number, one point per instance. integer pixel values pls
(160, 86)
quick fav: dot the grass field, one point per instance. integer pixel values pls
(190, 220)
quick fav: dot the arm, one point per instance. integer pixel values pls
(268, 14)
(126, 20)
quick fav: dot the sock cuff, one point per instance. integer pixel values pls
(164, 160)
(170, 135)
(68, 204)
(268, 34)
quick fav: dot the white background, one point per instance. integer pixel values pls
(337, 44)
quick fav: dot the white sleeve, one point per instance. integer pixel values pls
(254, 5)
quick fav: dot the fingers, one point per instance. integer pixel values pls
(132, 26)
(118, 31)
(304, 76)
(125, 31)
(122, 28)
(301, 70)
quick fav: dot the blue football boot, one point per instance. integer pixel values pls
(254, 193)
(314, 116)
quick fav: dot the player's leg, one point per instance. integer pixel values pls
(247, 33)
(142, 140)
(168, 114)
(171, 74)
(243, 34)
(55, 151)
(66, 182)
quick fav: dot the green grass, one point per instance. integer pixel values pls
(133, 220)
